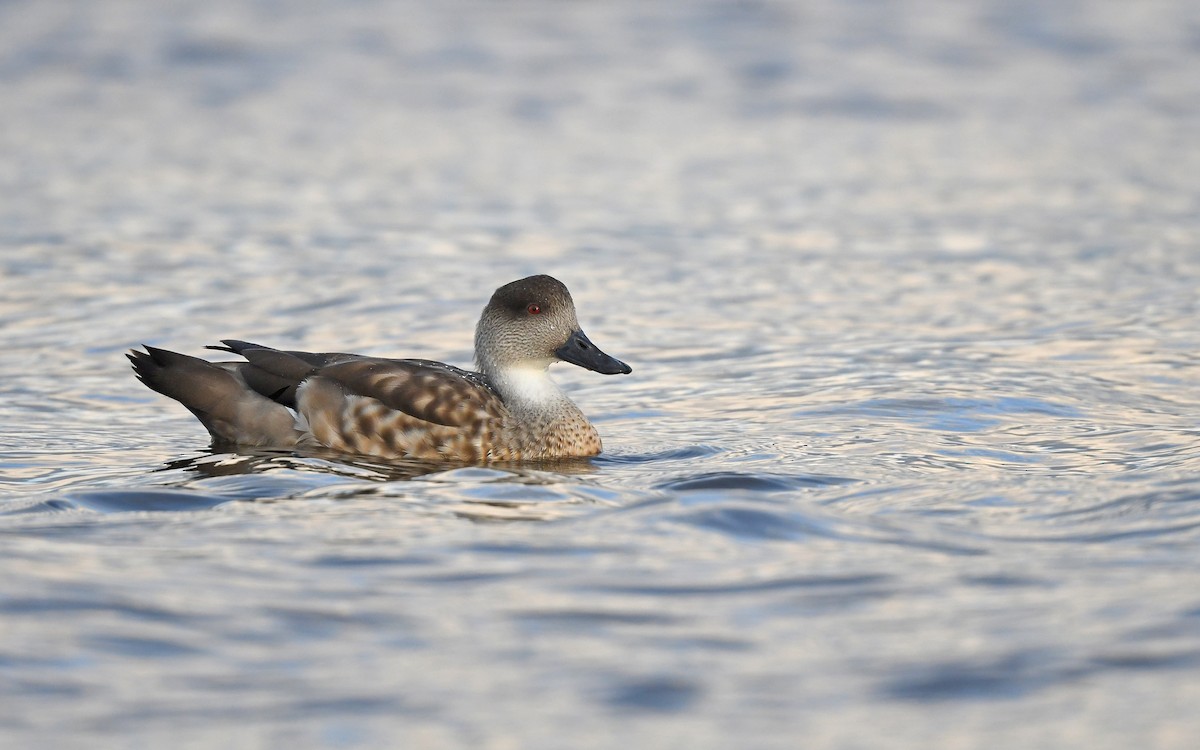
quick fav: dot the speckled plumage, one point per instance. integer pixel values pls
(403, 408)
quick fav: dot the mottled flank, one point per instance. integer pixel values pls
(403, 408)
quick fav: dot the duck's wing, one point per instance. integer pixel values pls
(274, 373)
(431, 392)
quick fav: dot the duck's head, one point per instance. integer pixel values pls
(530, 324)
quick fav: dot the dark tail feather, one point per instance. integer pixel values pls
(218, 396)
(169, 372)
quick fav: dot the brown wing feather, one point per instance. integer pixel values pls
(430, 391)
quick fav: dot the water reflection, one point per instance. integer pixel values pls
(240, 461)
(526, 491)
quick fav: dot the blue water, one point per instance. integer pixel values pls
(910, 456)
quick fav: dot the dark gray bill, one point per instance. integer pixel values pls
(579, 350)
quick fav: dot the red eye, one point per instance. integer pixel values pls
(533, 308)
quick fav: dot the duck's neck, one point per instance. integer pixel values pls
(530, 390)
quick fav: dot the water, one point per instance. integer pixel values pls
(910, 456)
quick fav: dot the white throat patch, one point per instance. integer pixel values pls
(529, 386)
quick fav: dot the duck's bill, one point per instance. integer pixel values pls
(579, 350)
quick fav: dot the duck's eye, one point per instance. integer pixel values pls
(533, 308)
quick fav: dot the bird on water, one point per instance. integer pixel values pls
(509, 410)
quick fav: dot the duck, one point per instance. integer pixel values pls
(508, 409)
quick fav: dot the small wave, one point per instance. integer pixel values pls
(758, 482)
(128, 501)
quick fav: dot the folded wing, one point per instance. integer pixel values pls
(377, 406)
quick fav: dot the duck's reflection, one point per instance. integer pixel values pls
(230, 462)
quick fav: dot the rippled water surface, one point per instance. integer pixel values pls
(910, 456)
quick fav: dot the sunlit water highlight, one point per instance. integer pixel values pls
(910, 456)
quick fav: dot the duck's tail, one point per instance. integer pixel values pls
(217, 393)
